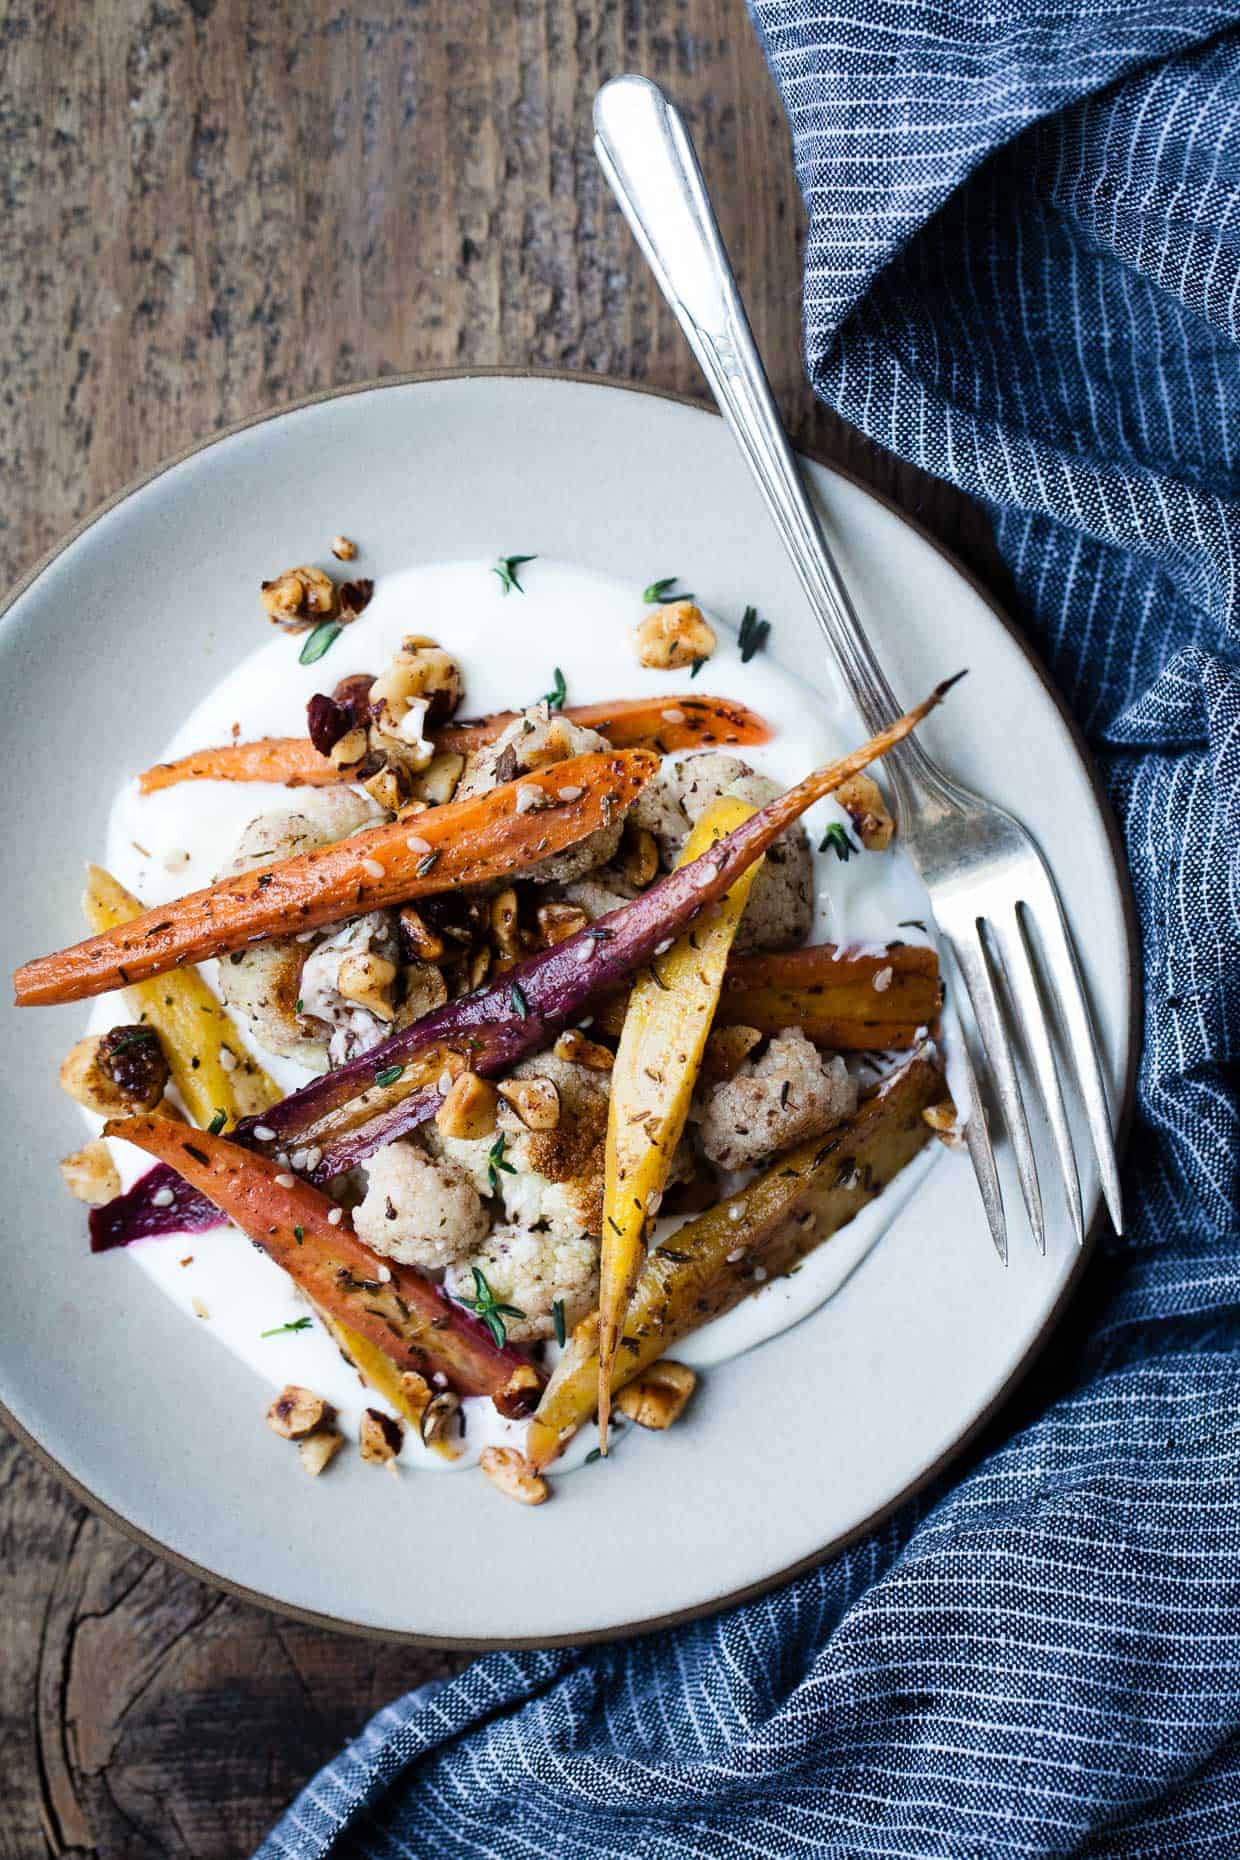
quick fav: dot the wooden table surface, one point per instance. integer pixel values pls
(212, 207)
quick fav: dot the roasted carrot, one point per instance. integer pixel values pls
(851, 1003)
(666, 725)
(466, 842)
(826, 992)
(393, 1307)
(669, 1016)
(293, 760)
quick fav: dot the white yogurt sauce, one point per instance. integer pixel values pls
(508, 646)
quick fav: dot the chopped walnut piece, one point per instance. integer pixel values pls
(658, 1396)
(418, 942)
(438, 1418)
(380, 1437)
(673, 636)
(862, 800)
(118, 1071)
(343, 549)
(519, 1395)
(300, 597)
(510, 1473)
(367, 979)
(91, 1175)
(557, 922)
(318, 1450)
(573, 1045)
(727, 1049)
(535, 1101)
(296, 1412)
(469, 1108)
(944, 1120)
(350, 749)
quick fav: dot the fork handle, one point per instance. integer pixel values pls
(646, 154)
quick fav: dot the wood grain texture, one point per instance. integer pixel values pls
(211, 207)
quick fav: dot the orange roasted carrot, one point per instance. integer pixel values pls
(414, 1323)
(851, 1003)
(467, 842)
(666, 724)
(293, 760)
(827, 993)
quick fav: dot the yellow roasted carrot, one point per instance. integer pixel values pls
(193, 1027)
(761, 1233)
(660, 1054)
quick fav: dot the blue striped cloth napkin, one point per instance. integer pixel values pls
(1023, 273)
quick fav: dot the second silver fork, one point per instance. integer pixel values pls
(988, 883)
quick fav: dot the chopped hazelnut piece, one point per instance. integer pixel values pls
(573, 1046)
(469, 1108)
(557, 922)
(519, 1395)
(343, 549)
(657, 1397)
(438, 1417)
(639, 857)
(380, 1437)
(350, 749)
(417, 939)
(118, 1071)
(437, 782)
(415, 1394)
(296, 1412)
(320, 1449)
(727, 1049)
(299, 597)
(862, 800)
(479, 967)
(388, 788)
(673, 636)
(535, 1101)
(91, 1175)
(510, 1473)
(367, 979)
(504, 929)
(943, 1119)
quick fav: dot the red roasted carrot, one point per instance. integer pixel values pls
(467, 842)
(414, 1323)
(666, 724)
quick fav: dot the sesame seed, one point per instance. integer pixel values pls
(373, 867)
(335, 1217)
(384, 1275)
(163, 1198)
(264, 1133)
(417, 845)
(583, 951)
(673, 715)
(702, 873)
(528, 799)
(570, 793)
(661, 949)
(228, 1059)
(735, 1213)
(285, 1180)
(882, 981)
(759, 1273)
(445, 1083)
(738, 1252)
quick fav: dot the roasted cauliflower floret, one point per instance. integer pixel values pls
(781, 905)
(418, 1209)
(537, 740)
(791, 1093)
(532, 1272)
(348, 982)
(551, 1178)
(263, 984)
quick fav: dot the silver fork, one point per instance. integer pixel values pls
(987, 880)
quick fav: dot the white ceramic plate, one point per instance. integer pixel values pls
(105, 649)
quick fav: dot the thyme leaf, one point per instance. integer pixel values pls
(506, 568)
(836, 840)
(318, 642)
(278, 1330)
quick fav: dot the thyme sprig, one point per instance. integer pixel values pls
(506, 569)
(485, 1305)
